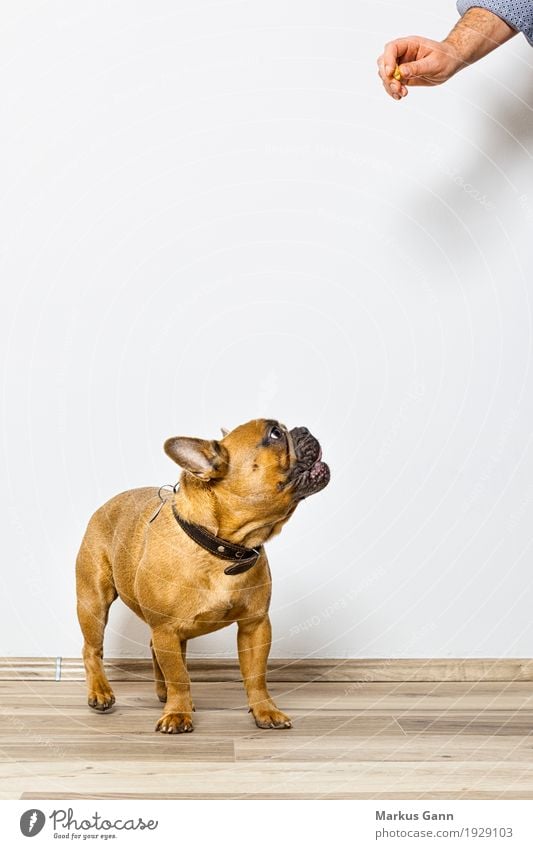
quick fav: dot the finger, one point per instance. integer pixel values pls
(420, 69)
(401, 50)
(389, 84)
(381, 68)
(402, 92)
(422, 81)
(392, 50)
(391, 93)
(387, 80)
(412, 50)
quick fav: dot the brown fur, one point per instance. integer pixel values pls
(234, 489)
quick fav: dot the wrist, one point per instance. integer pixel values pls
(456, 54)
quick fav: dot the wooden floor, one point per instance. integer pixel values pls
(349, 740)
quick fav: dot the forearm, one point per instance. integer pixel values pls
(477, 33)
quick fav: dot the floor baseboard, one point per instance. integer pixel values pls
(385, 670)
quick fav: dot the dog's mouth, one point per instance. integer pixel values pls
(309, 474)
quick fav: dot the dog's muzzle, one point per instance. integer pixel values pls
(308, 474)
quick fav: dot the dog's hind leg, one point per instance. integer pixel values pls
(96, 591)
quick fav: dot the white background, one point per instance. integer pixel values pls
(212, 212)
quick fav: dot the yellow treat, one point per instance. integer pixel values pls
(397, 74)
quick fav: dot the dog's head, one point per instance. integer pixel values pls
(256, 474)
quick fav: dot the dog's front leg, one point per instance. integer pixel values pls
(176, 716)
(253, 642)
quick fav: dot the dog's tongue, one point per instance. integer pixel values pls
(318, 469)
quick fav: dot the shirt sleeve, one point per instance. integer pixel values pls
(517, 13)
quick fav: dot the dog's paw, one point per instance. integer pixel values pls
(175, 723)
(163, 698)
(101, 699)
(271, 718)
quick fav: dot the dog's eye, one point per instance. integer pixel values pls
(275, 434)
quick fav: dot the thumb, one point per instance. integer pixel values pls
(422, 68)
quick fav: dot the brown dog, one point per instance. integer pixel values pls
(194, 563)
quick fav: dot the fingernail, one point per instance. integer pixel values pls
(388, 70)
(405, 72)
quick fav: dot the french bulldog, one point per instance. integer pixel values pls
(192, 560)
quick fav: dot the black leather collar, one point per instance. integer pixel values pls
(243, 558)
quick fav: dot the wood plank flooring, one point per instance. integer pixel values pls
(415, 740)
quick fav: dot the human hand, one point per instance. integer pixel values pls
(421, 62)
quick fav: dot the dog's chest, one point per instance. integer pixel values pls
(216, 609)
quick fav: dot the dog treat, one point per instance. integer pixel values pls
(397, 74)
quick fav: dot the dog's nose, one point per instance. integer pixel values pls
(306, 446)
(299, 432)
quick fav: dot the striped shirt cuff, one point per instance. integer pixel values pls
(517, 13)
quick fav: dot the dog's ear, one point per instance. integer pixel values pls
(206, 459)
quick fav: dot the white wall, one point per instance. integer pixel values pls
(211, 212)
